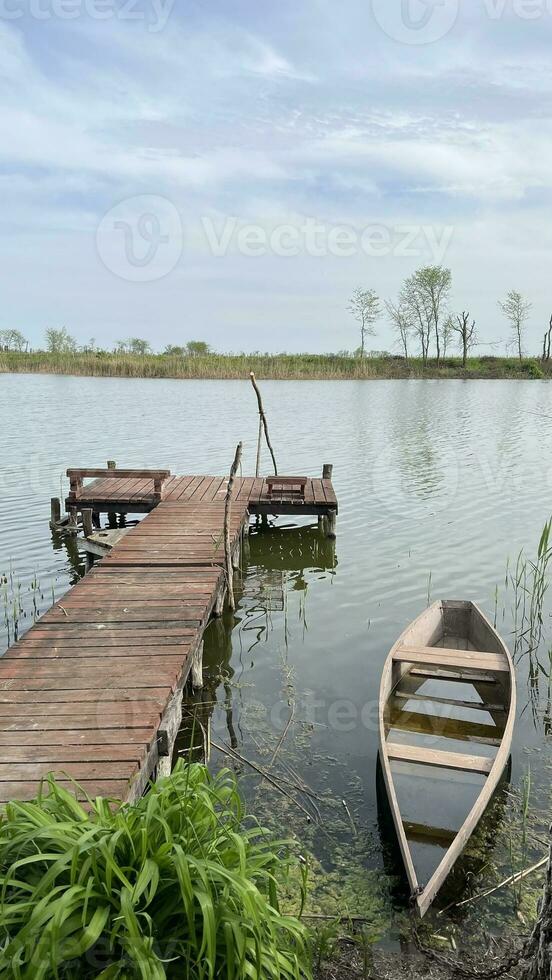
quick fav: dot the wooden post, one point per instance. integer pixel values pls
(227, 510)
(262, 418)
(55, 511)
(331, 519)
(258, 465)
(197, 668)
(245, 544)
(219, 603)
(87, 523)
(73, 520)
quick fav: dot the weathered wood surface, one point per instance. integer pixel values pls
(319, 495)
(83, 694)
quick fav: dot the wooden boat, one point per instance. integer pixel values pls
(449, 662)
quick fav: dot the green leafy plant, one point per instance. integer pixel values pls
(175, 885)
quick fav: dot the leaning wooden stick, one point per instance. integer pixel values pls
(262, 418)
(227, 546)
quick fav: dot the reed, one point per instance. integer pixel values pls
(341, 366)
(175, 885)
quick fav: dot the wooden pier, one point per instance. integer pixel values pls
(93, 691)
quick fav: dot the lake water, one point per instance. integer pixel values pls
(440, 485)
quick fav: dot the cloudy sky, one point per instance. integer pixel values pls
(231, 170)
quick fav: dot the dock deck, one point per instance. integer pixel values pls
(138, 495)
(92, 692)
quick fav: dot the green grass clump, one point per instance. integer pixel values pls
(174, 885)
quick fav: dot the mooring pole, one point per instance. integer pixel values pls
(55, 511)
(87, 523)
(227, 544)
(262, 419)
(111, 518)
(331, 520)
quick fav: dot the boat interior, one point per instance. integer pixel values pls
(445, 720)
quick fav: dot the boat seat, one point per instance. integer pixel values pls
(447, 659)
(443, 760)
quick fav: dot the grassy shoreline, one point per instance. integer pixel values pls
(281, 367)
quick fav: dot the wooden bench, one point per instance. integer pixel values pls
(288, 486)
(77, 477)
(445, 659)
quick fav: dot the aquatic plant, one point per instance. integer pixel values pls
(173, 885)
(530, 581)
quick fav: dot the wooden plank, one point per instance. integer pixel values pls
(34, 653)
(55, 754)
(27, 771)
(442, 727)
(116, 474)
(464, 676)
(110, 788)
(434, 757)
(141, 736)
(424, 834)
(452, 702)
(38, 698)
(452, 659)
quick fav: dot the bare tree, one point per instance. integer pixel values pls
(413, 300)
(516, 309)
(366, 309)
(546, 350)
(467, 335)
(400, 315)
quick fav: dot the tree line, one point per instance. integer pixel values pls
(60, 341)
(422, 316)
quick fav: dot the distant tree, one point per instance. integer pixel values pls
(433, 284)
(414, 301)
(546, 350)
(60, 341)
(132, 345)
(446, 334)
(400, 315)
(197, 348)
(138, 346)
(366, 309)
(13, 340)
(516, 309)
(174, 351)
(467, 335)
